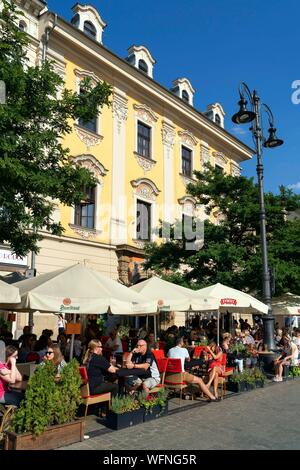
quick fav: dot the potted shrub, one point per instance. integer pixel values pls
(259, 377)
(155, 405)
(249, 378)
(46, 418)
(125, 411)
(237, 383)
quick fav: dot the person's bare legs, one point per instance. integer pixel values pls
(216, 383)
(211, 377)
(203, 388)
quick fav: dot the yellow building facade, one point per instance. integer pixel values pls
(142, 149)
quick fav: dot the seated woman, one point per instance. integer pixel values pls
(97, 366)
(9, 374)
(54, 354)
(288, 356)
(215, 367)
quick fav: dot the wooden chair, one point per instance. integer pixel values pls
(174, 376)
(89, 399)
(227, 371)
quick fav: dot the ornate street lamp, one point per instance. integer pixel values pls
(244, 116)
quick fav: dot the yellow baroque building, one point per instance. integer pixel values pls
(142, 149)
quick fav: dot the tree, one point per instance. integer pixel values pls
(35, 168)
(232, 253)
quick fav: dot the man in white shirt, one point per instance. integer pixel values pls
(114, 343)
(179, 352)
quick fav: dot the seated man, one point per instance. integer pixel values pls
(141, 358)
(114, 344)
(180, 352)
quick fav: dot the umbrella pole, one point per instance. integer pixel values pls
(218, 327)
(72, 339)
(147, 322)
(155, 332)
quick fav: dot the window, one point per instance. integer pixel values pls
(143, 221)
(186, 158)
(188, 232)
(89, 29)
(143, 66)
(22, 26)
(144, 140)
(85, 211)
(185, 96)
(217, 119)
(90, 125)
(75, 20)
(219, 169)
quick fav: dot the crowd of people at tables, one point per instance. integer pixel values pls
(109, 371)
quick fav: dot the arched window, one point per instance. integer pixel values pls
(185, 96)
(217, 119)
(90, 125)
(89, 29)
(143, 66)
(22, 26)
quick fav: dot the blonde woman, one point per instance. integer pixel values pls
(97, 366)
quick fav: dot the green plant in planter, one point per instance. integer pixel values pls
(153, 399)
(239, 350)
(236, 378)
(48, 401)
(258, 374)
(123, 404)
(294, 371)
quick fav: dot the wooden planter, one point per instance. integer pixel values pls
(120, 421)
(53, 437)
(155, 412)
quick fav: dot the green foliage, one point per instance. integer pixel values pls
(122, 404)
(47, 401)
(159, 398)
(249, 376)
(239, 350)
(35, 168)
(231, 253)
(123, 330)
(294, 371)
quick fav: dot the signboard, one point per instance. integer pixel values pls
(8, 257)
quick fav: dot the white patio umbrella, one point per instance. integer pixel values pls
(8, 294)
(226, 299)
(80, 290)
(288, 305)
(168, 296)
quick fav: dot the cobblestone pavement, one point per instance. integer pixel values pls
(265, 419)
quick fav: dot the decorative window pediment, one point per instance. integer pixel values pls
(92, 164)
(145, 188)
(220, 158)
(145, 113)
(187, 138)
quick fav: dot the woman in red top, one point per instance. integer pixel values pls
(9, 374)
(215, 367)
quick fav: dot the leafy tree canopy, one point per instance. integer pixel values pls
(231, 253)
(35, 168)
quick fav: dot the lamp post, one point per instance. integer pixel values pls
(244, 116)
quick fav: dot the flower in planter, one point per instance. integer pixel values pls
(124, 404)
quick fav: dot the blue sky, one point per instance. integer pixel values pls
(216, 44)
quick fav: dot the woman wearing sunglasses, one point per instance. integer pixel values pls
(55, 355)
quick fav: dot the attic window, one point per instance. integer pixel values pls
(217, 119)
(75, 20)
(185, 96)
(143, 66)
(89, 29)
(22, 26)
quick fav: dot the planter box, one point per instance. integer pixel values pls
(237, 387)
(259, 383)
(155, 412)
(124, 420)
(250, 386)
(53, 437)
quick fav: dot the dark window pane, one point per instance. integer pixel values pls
(143, 66)
(85, 211)
(89, 29)
(143, 221)
(185, 96)
(144, 140)
(218, 120)
(186, 158)
(218, 169)
(90, 125)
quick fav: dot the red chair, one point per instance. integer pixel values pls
(124, 345)
(162, 364)
(158, 353)
(226, 372)
(87, 398)
(162, 345)
(174, 376)
(198, 351)
(33, 357)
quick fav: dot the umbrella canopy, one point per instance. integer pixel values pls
(288, 304)
(168, 296)
(223, 298)
(8, 294)
(78, 289)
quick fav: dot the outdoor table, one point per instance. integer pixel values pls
(123, 372)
